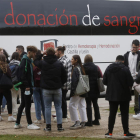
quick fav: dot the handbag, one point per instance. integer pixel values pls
(5, 82)
(100, 83)
(83, 84)
(136, 87)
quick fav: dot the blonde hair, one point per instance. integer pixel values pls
(88, 58)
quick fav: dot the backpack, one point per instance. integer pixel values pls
(14, 70)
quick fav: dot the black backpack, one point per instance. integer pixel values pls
(14, 73)
(15, 70)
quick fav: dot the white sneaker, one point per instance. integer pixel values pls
(33, 127)
(137, 117)
(17, 126)
(1, 119)
(11, 119)
(55, 119)
(64, 120)
(38, 122)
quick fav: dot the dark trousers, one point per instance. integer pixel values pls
(124, 108)
(7, 95)
(25, 102)
(90, 100)
(64, 103)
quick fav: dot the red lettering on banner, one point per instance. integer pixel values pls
(71, 19)
(121, 17)
(41, 19)
(13, 22)
(131, 22)
(106, 20)
(24, 19)
(28, 15)
(116, 20)
(64, 16)
(51, 15)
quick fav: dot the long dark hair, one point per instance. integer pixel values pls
(3, 64)
(79, 62)
(15, 56)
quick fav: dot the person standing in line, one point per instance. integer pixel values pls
(119, 82)
(20, 50)
(68, 67)
(131, 60)
(77, 101)
(14, 63)
(93, 73)
(26, 77)
(37, 93)
(53, 77)
(6, 92)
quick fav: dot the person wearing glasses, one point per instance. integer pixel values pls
(132, 59)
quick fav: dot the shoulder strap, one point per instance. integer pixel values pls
(79, 71)
(25, 65)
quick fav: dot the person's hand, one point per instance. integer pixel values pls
(27, 89)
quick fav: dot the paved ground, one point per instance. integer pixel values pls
(95, 131)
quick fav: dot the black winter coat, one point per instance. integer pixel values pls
(53, 74)
(118, 79)
(25, 76)
(93, 72)
(74, 82)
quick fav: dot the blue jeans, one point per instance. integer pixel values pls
(39, 102)
(56, 96)
(3, 102)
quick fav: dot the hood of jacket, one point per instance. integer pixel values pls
(50, 59)
(14, 62)
(115, 67)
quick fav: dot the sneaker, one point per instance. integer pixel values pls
(37, 121)
(89, 124)
(11, 119)
(82, 124)
(55, 119)
(64, 120)
(17, 126)
(95, 122)
(137, 117)
(60, 128)
(53, 115)
(1, 119)
(76, 125)
(129, 135)
(33, 127)
(108, 135)
(48, 128)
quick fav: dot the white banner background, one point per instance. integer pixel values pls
(102, 53)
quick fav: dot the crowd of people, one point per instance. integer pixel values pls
(47, 76)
